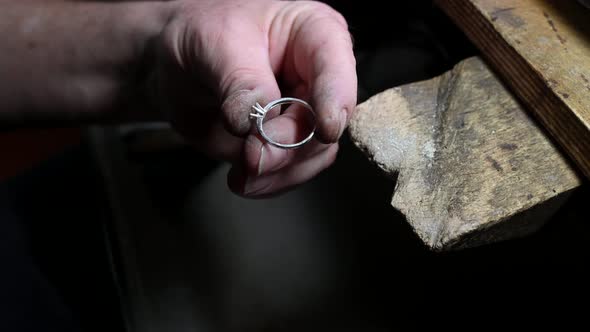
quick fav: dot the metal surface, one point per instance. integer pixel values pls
(260, 114)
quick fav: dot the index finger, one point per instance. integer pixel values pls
(324, 58)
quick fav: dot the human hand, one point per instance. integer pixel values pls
(217, 58)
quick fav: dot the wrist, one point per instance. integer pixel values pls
(140, 24)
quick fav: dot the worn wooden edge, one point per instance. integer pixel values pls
(521, 224)
(527, 83)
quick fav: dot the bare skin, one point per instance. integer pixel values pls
(200, 64)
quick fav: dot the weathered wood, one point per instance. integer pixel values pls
(473, 167)
(541, 48)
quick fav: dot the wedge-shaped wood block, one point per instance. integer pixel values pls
(472, 167)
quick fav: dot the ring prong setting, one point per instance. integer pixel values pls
(259, 111)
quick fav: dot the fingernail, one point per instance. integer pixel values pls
(270, 159)
(257, 185)
(261, 160)
(343, 120)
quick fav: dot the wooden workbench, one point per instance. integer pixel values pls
(541, 49)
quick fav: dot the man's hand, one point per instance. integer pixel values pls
(218, 58)
(202, 64)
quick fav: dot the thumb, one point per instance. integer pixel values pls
(246, 77)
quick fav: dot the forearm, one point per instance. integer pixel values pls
(64, 60)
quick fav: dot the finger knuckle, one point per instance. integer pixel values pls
(324, 10)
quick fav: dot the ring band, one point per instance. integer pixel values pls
(260, 112)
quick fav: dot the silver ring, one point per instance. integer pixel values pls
(260, 113)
